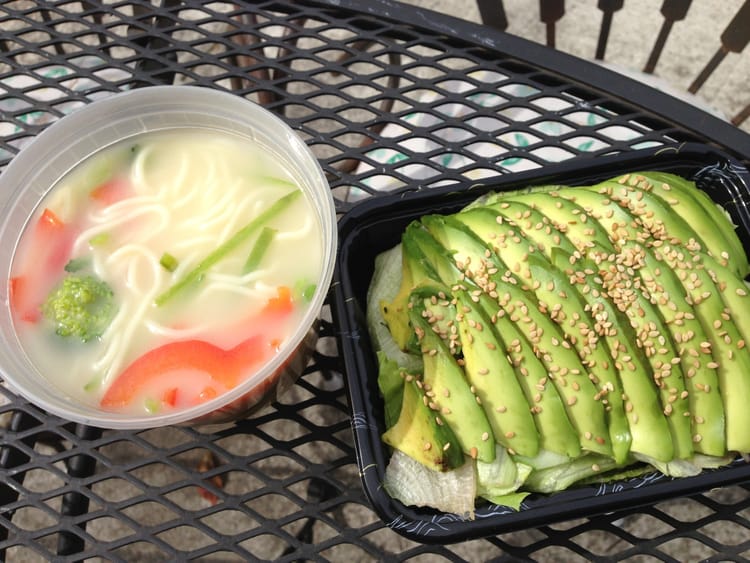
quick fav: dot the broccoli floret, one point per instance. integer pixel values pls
(81, 306)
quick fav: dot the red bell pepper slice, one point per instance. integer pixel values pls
(48, 251)
(224, 368)
(167, 369)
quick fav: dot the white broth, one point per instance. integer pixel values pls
(197, 259)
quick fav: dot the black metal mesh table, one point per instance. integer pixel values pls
(385, 105)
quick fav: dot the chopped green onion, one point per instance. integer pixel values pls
(99, 240)
(168, 262)
(276, 181)
(309, 291)
(237, 239)
(305, 289)
(259, 249)
(93, 384)
(152, 405)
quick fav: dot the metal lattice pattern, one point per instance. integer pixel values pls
(385, 106)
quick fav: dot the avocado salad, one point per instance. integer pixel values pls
(557, 336)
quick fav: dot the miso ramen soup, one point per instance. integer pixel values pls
(164, 270)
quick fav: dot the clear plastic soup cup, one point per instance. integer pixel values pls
(60, 147)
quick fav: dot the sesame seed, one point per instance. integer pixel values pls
(446, 446)
(485, 436)
(427, 446)
(510, 434)
(473, 452)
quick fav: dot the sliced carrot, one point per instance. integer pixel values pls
(281, 303)
(50, 221)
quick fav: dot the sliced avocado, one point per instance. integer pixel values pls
(706, 408)
(618, 264)
(565, 221)
(706, 415)
(556, 433)
(731, 356)
(555, 430)
(580, 328)
(735, 293)
(395, 312)
(479, 263)
(490, 376)
(385, 283)
(649, 429)
(445, 386)
(654, 215)
(710, 221)
(563, 301)
(494, 379)
(415, 432)
(570, 223)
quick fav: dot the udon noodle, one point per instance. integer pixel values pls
(180, 195)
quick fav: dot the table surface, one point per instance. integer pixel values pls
(385, 105)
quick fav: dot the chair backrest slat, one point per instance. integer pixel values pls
(734, 39)
(550, 12)
(741, 116)
(608, 8)
(492, 13)
(673, 11)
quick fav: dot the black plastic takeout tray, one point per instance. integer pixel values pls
(376, 225)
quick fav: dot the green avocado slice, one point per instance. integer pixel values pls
(478, 262)
(699, 211)
(415, 431)
(556, 295)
